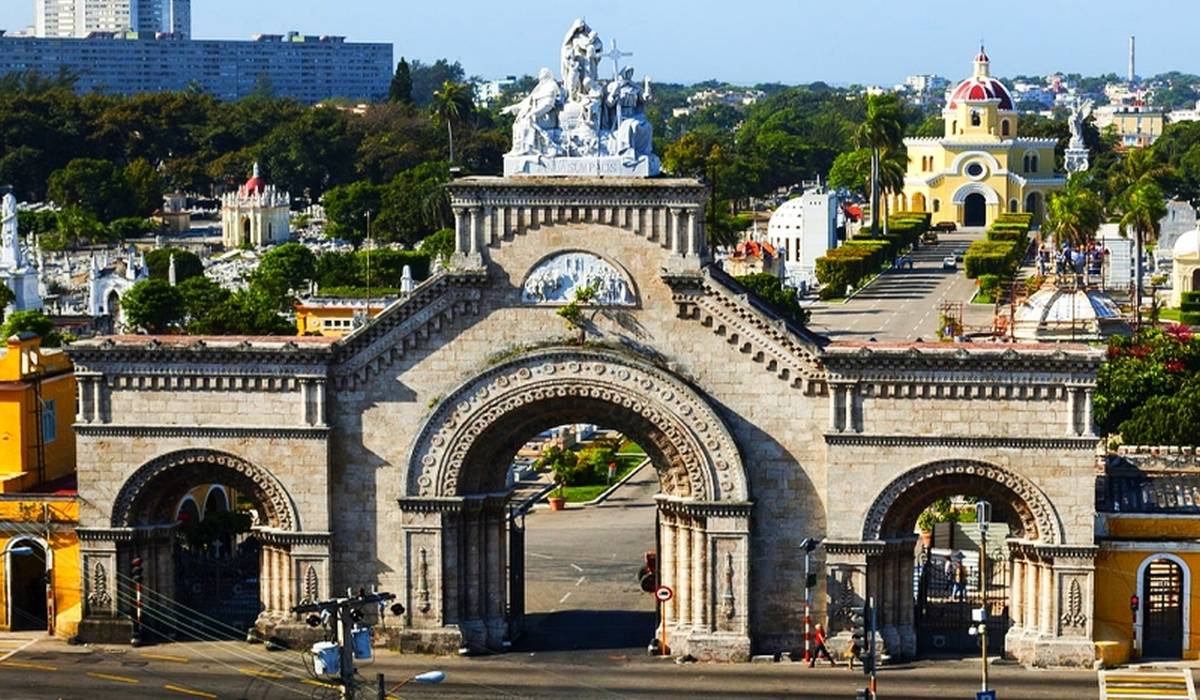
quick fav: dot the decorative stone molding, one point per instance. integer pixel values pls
(1039, 443)
(203, 431)
(1073, 618)
(281, 538)
(718, 302)
(703, 509)
(555, 279)
(267, 490)
(98, 597)
(1035, 509)
(312, 586)
(861, 549)
(388, 337)
(229, 356)
(936, 362)
(704, 463)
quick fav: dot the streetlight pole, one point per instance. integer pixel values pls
(809, 544)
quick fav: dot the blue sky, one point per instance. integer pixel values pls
(748, 41)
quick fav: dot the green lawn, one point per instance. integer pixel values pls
(1168, 315)
(626, 461)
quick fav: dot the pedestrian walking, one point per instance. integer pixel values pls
(855, 651)
(960, 581)
(819, 649)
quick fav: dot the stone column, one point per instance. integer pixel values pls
(1046, 599)
(320, 402)
(700, 577)
(1088, 428)
(476, 230)
(1016, 586)
(1072, 411)
(676, 234)
(684, 557)
(1032, 588)
(836, 412)
(847, 587)
(906, 627)
(887, 597)
(666, 564)
(97, 398)
(461, 232)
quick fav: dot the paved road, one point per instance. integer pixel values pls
(581, 572)
(901, 305)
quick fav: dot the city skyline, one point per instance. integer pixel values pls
(799, 44)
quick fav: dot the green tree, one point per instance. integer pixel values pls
(427, 78)
(891, 168)
(439, 245)
(187, 264)
(75, 225)
(145, 187)
(153, 305)
(852, 170)
(6, 297)
(34, 322)
(130, 227)
(1142, 207)
(402, 86)
(452, 104)
(1074, 213)
(284, 270)
(882, 129)
(414, 204)
(245, 312)
(1169, 419)
(346, 208)
(201, 296)
(96, 186)
(770, 289)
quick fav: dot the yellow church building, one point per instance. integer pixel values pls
(980, 168)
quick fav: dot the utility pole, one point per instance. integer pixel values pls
(135, 637)
(983, 514)
(345, 612)
(810, 581)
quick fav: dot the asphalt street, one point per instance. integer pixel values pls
(901, 304)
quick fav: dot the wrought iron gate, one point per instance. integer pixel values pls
(516, 573)
(1162, 628)
(943, 610)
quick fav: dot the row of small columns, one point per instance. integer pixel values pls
(1079, 413)
(89, 406)
(684, 568)
(278, 579)
(1032, 591)
(842, 400)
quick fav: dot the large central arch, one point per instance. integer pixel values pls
(454, 513)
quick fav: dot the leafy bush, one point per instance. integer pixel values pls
(1189, 318)
(842, 267)
(989, 287)
(771, 290)
(1166, 419)
(1154, 362)
(130, 227)
(187, 264)
(989, 257)
(1006, 234)
(34, 322)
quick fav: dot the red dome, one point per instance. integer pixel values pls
(255, 185)
(981, 88)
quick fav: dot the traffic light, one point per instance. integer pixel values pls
(137, 569)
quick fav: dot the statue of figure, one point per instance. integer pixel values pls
(581, 50)
(625, 107)
(1079, 114)
(10, 243)
(537, 118)
(584, 136)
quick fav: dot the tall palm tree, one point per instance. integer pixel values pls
(1142, 206)
(881, 128)
(1074, 213)
(893, 163)
(452, 104)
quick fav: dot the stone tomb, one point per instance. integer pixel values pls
(379, 458)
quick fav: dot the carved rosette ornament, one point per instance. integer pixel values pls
(1034, 508)
(98, 596)
(218, 467)
(703, 462)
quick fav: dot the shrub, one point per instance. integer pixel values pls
(1004, 234)
(130, 227)
(841, 267)
(989, 286)
(1168, 419)
(990, 257)
(771, 290)
(1189, 318)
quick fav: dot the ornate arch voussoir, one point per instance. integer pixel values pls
(706, 463)
(1039, 511)
(273, 497)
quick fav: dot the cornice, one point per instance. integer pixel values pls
(575, 191)
(202, 431)
(881, 361)
(418, 504)
(706, 509)
(273, 536)
(1043, 443)
(867, 548)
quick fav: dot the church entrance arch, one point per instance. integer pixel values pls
(220, 566)
(458, 569)
(974, 210)
(926, 588)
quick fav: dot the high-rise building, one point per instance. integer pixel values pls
(79, 18)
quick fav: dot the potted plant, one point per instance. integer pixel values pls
(561, 463)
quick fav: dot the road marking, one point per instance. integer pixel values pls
(12, 653)
(581, 580)
(322, 684)
(165, 657)
(539, 556)
(261, 674)
(189, 691)
(32, 667)
(564, 598)
(577, 567)
(115, 679)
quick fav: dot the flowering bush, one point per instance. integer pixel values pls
(1150, 382)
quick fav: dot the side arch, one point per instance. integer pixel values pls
(454, 454)
(1140, 621)
(898, 505)
(146, 497)
(956, 165)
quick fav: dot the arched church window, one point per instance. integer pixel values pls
(974, 117)
(1012, 205)
(954, 127)
(1004, 128)
(1033, 164)
(937, 205)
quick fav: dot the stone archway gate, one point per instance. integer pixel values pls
(389, 442)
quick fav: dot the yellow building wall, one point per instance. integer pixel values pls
(1116, 581)
(24, 517)
(20, 419)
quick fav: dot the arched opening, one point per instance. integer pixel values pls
(1164, 592)
(1012, 205)
(222, 561)
(937, 564)
(113, 306)
(246, 231)
(1033, 205)
(975, 210)
(918, 202)
(1195, 280)
(937, 205)
(1004, 129)
(694, 472)
(975, 119)
(25, 583)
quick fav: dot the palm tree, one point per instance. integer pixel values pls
(1074, 213)
(882, 128)
(451, 104)
(1142, 206)
(1138, 165)
(893, 162)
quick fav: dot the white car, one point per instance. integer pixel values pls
(949, 263)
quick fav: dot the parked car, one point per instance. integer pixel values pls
(930, 237)
(945, 226)
(959, 253)
(949, 263)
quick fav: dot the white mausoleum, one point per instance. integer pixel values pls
(256, 215)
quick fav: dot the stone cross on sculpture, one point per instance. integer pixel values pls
(615, 55)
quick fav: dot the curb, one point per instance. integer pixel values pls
(620, 482)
